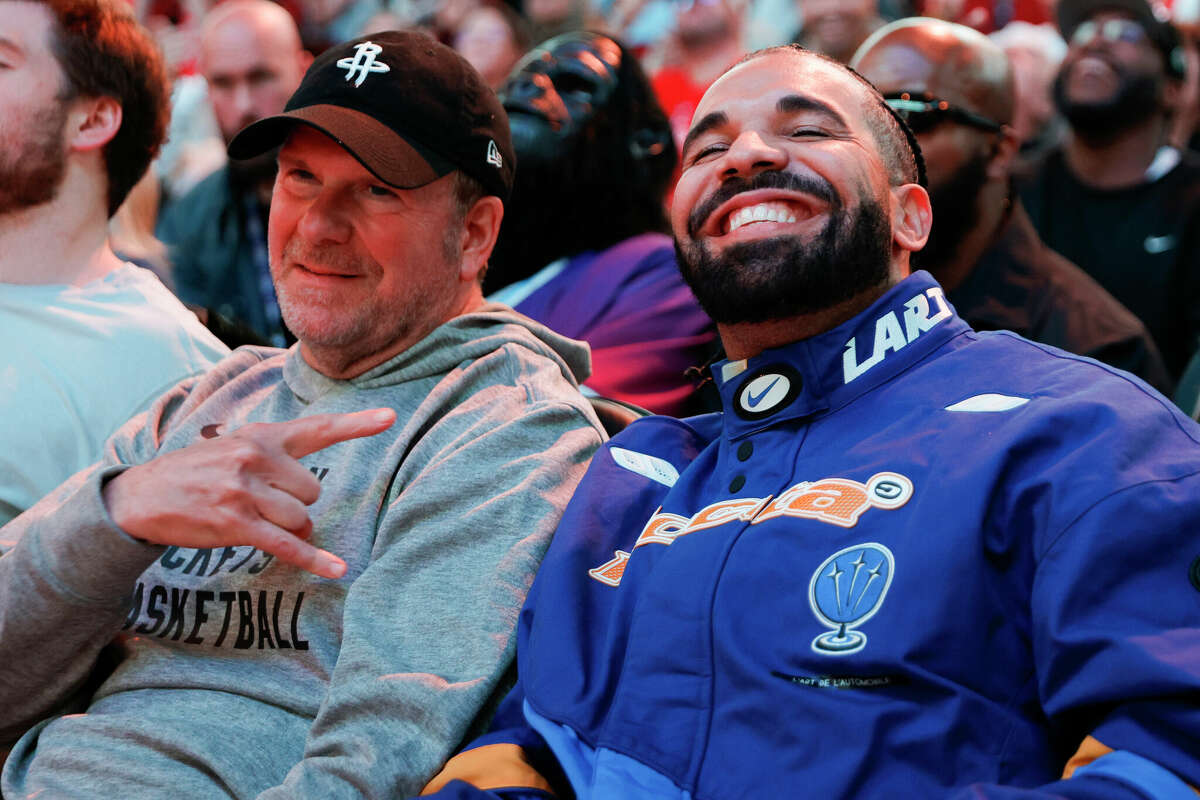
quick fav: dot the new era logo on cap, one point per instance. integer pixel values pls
(363, 63)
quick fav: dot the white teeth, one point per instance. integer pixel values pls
(763, 212)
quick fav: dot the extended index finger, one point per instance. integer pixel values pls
(310, 434)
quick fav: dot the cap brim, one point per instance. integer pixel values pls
(389, 156)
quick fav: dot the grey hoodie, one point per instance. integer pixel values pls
(242, 676)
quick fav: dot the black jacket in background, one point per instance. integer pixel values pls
(1021, 285)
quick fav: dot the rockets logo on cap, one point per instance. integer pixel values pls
(363, 63)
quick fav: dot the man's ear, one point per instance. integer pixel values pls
(480, 228)
(1005, 150)
(92, 122)
(912, 216)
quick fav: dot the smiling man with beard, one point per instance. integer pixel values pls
(907, 559)
(954, 87)
(1115, 198)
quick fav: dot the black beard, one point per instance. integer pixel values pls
(35, 176)
(1135, 100)
(955, 213)
(786, 276)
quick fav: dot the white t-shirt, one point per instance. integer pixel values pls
(76, 363)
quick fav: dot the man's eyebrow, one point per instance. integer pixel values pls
(798, 102)
(709, 122)
(293, 160)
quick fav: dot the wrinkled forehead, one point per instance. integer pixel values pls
(752, 90)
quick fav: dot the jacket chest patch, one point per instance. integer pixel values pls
(846, 591)
(837, 501)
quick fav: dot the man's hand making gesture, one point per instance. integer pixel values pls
(247, 488)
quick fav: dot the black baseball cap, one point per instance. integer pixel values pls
(407, 107)
(1073, 13)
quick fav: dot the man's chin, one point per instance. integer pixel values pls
(317, 320)
(752, 257)
(1100, 120)
(28, 186)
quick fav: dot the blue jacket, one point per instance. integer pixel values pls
(908, 560)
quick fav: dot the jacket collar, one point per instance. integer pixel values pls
(824, 372)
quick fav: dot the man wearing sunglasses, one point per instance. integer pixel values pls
(583, 248)
(1114, 198)
(954, 88)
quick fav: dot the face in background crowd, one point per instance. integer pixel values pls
(1034, 53)
(492, 39)
(550, 18)
(785, 204)
(954, 88)
(33, 111)
(1113, 77)
(837, 27)
(703, 23)
(359, 266)
(594, 150)
(556, 91)
(252, 59)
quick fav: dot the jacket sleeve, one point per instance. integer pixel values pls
(429, 626)
(510, 762)
(66, 578)
(1116, 641)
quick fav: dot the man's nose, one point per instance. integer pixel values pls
(523, 87)
(750, 154)
(325, 220)
(243, 102)
(536, 91)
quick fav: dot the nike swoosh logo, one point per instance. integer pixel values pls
(1159, 244)
(755, 398)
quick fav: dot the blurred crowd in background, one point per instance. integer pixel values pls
(682, 44)
(199, 220)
